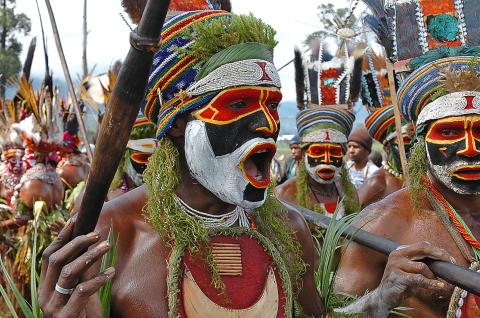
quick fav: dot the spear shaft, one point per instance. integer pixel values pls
(76, 107)
(122, 110)
(454, 274)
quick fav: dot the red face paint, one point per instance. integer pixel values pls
(236, 103)
(326, 151)
(449, 131)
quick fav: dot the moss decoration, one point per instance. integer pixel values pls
(183, 232)
(303, 191)
(214, 36)
(175, 268)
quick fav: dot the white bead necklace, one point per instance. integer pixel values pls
(211, 220)
(390, 170)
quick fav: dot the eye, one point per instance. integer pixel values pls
(237, 105)
(273, 105)
(450, 132)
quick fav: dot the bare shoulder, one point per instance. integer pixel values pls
(124, 212)
(287, 190)
(388, 217)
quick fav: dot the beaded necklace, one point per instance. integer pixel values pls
(457, 220)
(213, 221)
(392, 171)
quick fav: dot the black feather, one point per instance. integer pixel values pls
(299, 78)
(226, 5)
(382, 31)
(376, 6)
(356, 79)
(381, 23)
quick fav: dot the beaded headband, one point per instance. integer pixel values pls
(185, 77)
(325, 124)
(417, 96)
(380, 122)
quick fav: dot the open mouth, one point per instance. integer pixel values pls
(468, 173)
(255, 165)
(326, 173)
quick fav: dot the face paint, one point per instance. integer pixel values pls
(231, 142)
(323, 161)
(13, 158)
(453, 151)
(394, 153)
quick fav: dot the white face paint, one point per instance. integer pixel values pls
(220, 175)
(443, 173)
(313, 171)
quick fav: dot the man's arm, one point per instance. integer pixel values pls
(372, 189)
(308, 297)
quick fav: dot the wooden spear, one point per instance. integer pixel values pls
(66, 72)
(454, 274)
(121, 113)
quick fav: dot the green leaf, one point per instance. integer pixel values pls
(3, 292)
(24, 306)
(108, 260)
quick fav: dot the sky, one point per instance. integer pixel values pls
(108, 33)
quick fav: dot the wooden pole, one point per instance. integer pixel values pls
(85, 35)
(122, 110)
(398, 121)
(454, 274)
(76, 107)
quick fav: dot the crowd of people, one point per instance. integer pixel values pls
(195, 224)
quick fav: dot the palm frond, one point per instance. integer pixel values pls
(108, 260)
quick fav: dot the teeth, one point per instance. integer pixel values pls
(262, 151)
(258, 178)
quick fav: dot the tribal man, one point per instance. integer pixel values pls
(388, 179)
(437, 217)
(186, 244)
(11, 143)
(322, 183)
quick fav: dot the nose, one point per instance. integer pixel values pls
(265, 123)
(327, 160)
(470, 146)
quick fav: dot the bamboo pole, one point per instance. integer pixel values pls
(454, 274)
(76, 107)
(398, 122)
(85, 35)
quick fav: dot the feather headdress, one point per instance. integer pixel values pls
(10, 114)
(42, 131)
(299, 78)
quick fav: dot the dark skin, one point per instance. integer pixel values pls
(324, 193)
(379, 185)
(319, 193)
(140, 251)
(358, 154)
(296, 151)
(72, 174)
(36, 190)
(400, 279)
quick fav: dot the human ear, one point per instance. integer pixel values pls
(178, 127)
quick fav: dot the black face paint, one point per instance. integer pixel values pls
(225, 139)
(452, 146)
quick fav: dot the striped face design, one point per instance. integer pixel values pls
(323, 161)
(230, 143)
(453, 149)
(237, 103)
